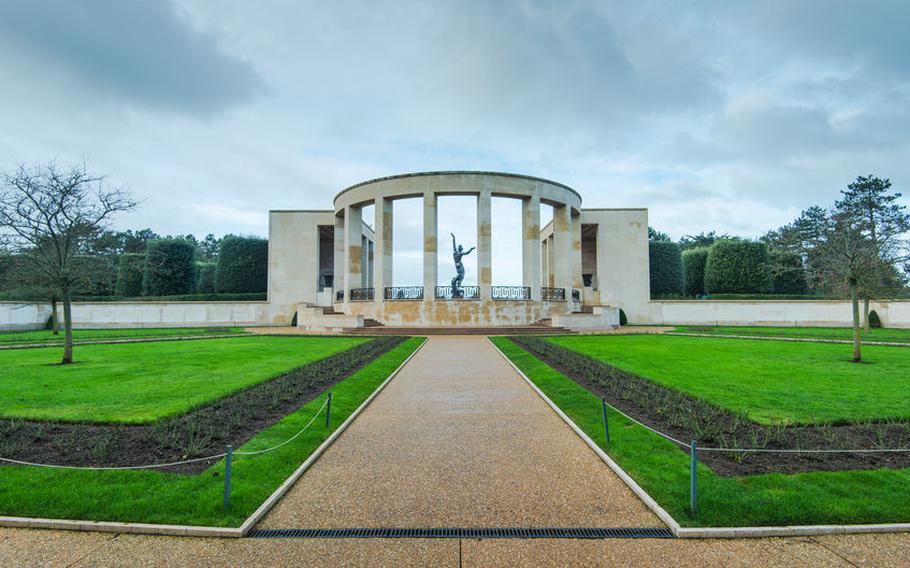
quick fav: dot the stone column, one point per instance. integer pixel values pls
(430, 246)
(530, 249)
(485, 243)
(353, 250)
(577, 280)
(338, 263)
(562, 248)
(382, 260)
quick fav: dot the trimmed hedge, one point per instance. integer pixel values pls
(243, 264)
(205, 283)
(130, 268)
(170, 268)
(665, 263)
(875, 322)
(737, 267)
(693, 262)
(250, 297)
(95, 275)
(788, 276)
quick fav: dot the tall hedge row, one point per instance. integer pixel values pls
(737, 267)
(693, 262)
(788, 275)
(170, 268)
(243, 264)
(665, 263)
(130, 268)
(205, 283)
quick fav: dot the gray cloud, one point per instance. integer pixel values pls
(143, 52)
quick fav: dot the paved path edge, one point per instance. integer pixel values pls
(204, 531)
(707, 532)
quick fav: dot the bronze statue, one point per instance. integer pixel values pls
(458, 252)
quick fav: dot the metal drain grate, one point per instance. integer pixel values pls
(631, 532)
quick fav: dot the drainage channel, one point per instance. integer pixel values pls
(579, 533)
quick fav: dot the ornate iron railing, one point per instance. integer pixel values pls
(511, 292)
(463, 293)
(362, 294)
(404, 293)
(339, 295)
(576, 295)
(548, 294)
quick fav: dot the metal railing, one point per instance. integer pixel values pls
(549, 294)
(511, 292)
(339, 295)
(403, 293)
(576, 295)
(362, 294)
(462, 293)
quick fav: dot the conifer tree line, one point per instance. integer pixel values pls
(142, 263)
(859, 241)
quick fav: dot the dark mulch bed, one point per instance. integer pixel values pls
(685, 418)
(203, 431)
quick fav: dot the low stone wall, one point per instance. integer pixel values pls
(17, 316)
(830, 313)
(443, 313)
(142, 314)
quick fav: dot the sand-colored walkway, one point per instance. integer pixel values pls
(458, 439)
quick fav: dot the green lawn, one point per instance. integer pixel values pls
(842, 333)
(662, 469)
(46, 336)
(155, 497)
(769, 381)
(141, 382)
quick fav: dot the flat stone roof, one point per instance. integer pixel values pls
(457, 172)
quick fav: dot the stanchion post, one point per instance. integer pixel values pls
(603, 405)
(693, 480)
(328, 411)
(228, 461)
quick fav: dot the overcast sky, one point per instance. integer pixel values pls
(724, 115)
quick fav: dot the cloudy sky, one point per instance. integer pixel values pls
(723, 115)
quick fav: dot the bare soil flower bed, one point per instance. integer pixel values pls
(686, 418)
(204, 430)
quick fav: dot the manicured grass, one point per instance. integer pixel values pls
(155, 497)
(841, 333)
(769, 381)
(141, 382)
(662, 469)
(46, 336)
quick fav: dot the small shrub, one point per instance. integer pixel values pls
(623, 320)
(874, 320)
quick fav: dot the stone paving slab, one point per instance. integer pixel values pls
(458, 439)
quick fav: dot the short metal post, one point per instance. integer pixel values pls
(228, 460)
(328, 411)
(603, 404)
(693, 480)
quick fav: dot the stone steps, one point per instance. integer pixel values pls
(489, 330)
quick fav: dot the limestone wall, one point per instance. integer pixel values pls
(18, 316)
(454, 312)
(831, 313)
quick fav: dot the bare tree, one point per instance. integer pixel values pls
(47, 213)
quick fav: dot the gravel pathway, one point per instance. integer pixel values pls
(458, 439)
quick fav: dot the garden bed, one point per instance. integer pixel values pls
(203, 430)
(685, 417)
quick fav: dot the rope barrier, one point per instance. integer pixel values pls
(172, 464)
(763, 450)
